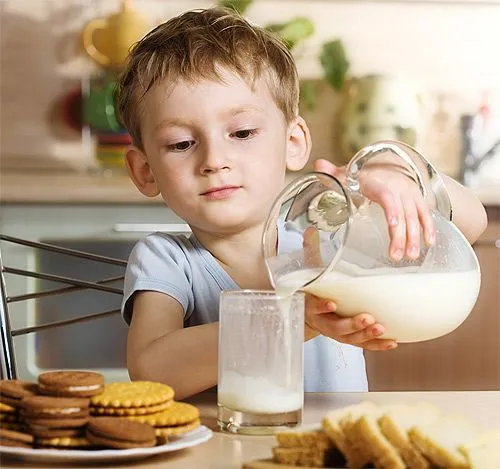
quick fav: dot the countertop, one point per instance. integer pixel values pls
(97, 188)
(225, 451)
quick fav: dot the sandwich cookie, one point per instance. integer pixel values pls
(13, 438)
(9, 418)
(71, 383)
(132, 398)
(120, 433)
(177, 419)
(55, 412)
(64, 443)
(13, 390)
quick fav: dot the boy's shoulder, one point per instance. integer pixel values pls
(166, 245)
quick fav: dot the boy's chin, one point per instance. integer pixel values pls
(227, 223)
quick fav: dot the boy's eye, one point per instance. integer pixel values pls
(244, 134)
(181, 146)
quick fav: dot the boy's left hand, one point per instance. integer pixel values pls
(404, 206)
(361, 330)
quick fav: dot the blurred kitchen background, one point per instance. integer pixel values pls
(423, 71)
(434, 60)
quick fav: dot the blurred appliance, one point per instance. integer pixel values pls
(100, 344)
(480, 150)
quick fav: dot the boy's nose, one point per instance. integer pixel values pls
(214, 160)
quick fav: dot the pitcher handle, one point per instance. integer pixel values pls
(88, 44)
(436, 183)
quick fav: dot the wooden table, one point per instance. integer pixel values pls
(225, 451)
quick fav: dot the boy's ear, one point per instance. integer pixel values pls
(140, 172)
(298, 145)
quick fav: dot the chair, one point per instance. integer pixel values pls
(8, 369)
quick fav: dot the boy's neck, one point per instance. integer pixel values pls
(240, 255)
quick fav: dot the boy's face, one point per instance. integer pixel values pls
(217, 152)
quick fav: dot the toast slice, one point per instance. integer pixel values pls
(482, 451)
(299, 456)
(301, 447)
(439, 441)
(314, 438)
(372, 446)
(395, 423)
(336, 422)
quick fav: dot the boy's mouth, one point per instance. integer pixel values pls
(221, 192)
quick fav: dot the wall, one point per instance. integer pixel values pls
(449, 50)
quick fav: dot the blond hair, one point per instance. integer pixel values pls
(194, 46)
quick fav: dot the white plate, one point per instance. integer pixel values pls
(193, 438)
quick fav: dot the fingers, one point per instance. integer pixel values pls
(327, 167)
(311, 244)
(361, 330)
(353, 331)
(412, 223)
(427, 222)
(396, 220)
(377, 345)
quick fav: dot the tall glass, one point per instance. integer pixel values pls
(261, 340)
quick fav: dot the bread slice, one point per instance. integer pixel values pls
(336, 422)
(302, 447)
(300, 438)
(482, 451)
(372, 446)
(299, 456)
(395, 423)
(439, 441)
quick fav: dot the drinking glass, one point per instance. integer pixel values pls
(261, 340)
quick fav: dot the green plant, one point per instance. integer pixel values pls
(332, 56)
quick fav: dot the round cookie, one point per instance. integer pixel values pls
(14, 438)
(7, 409)
(13, 390)
(133, 394)
(71, 383)
(64, 443)
(120, 433)
(40, 431)
(179, 413)
(177, 430)
(177, 419)
(60, 412)
(123, 411)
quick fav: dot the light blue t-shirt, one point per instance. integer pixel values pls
(182, 268)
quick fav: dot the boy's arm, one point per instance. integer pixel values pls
(160, 349)
(469, 214)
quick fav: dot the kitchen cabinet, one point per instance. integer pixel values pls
(466, 359)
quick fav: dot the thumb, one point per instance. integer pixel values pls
(328, 167)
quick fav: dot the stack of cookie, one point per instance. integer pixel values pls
(398, 436)
(11, 394)
(75, 409)
(56, 421)
(147, 402)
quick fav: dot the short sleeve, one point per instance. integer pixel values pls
(158, 263)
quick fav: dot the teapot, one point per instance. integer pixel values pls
(108, 40)
(325, 238)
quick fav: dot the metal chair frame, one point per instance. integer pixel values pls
(8, 368)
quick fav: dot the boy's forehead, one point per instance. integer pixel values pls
(231, 93)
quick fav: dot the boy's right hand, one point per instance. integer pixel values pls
(360, 330)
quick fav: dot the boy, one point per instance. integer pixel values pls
(211, 103)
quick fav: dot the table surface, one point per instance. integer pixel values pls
(227, 451)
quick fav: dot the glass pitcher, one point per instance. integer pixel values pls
(334, 243)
